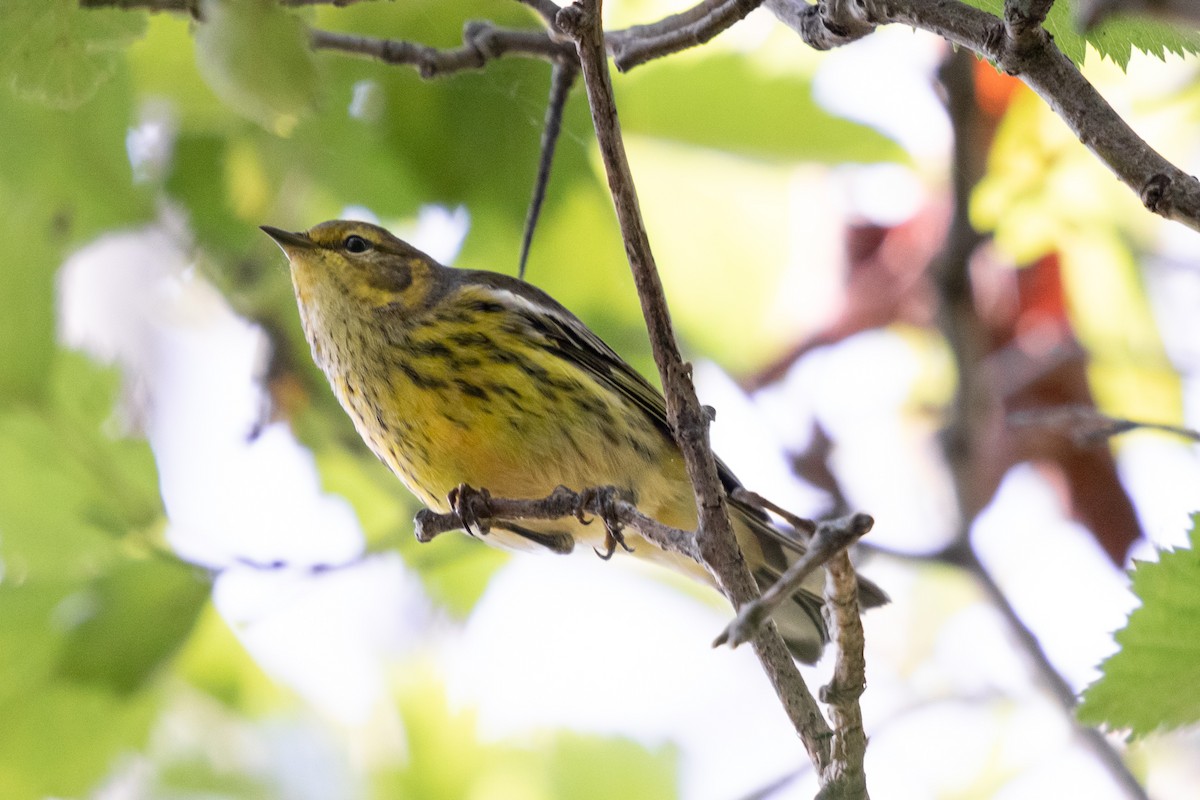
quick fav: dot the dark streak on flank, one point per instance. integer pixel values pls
(430, 349)
(639, 447)
(420, 380)
(472, 339)
(470, 389)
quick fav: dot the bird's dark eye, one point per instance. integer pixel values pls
(356, 244)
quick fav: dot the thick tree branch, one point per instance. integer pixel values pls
(843, 21)
(687, 417)
(546, 9)
(1021, 47)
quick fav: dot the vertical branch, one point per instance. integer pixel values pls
(973, 409)
(687, 418)
(848, 747)
(562, 78)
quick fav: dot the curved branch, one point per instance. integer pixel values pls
(1021, 47)
(641, 43)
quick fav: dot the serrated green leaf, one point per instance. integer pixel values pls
(255, 56)
(57, 53)
(1116, 38)
(1153, 682)
(724, 102)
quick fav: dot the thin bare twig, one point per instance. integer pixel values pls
(629, 47)
(844, 775)
(1087, 427)
(831, 538)
(1017, 44)
(560, 503)
(1181, 12)
(546, 9)
(482, 42)
(561, 80)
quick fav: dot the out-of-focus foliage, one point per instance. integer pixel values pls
(1044, 194)
(719, 102)
(58, 54)
(1153, 682)
(254, 55)
(88, 615)
(556, 765)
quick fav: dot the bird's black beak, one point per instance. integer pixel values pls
(288, 241)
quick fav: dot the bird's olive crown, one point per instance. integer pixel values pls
(373, 263)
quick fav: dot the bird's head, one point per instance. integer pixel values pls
(345, 267)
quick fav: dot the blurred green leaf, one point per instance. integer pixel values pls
(582, 768)
(56, 53)
(163, 67)
(725, 102)
(214, 661)
(64, 176)
(1153, 682)
(27, 302)
(197, 178)
(449, 761)
(30, 639)
(255, 56)
(61, 741)
(71, 492)
(137, 616)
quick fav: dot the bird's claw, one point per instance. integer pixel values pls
(472, 507)
(606, 500)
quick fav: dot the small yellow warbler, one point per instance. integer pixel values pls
(466, 377)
